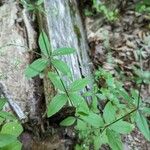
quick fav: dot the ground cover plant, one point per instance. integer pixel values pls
(10, 129)
(102, 114)
(112, 111)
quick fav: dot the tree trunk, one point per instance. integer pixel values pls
(65, 29)
(17, 40)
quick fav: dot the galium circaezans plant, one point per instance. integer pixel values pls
(95, 124)
(10, 129)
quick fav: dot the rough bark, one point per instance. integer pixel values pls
(65, 29)
(17, 37)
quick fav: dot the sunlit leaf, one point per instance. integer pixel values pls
(114, 140)
(122, 127)
(78, 84)
(56, 104)
(44, 44)
(109, 113)
(62, 67)
(2, 103)
(93, 120)
(81, 125)
(13, 146)
(143, 125)
(36, 67)
(79, 102)
(68, 121)
(39, 2)
(7, 115)
(6, 139)
(56, 80)
(100, 140)
(12, 128)
(63, 51)
(146, 111)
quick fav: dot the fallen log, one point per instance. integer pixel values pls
(65, 29)
(17, 39)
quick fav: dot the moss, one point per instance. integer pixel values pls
(77, 31)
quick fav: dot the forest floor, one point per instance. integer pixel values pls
(116, 46)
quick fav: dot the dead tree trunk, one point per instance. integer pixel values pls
(65, 29)
(17, 40)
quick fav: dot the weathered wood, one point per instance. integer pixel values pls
(15, 42)
(65, 29)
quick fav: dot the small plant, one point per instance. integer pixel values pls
(112, 110)
(10, 129)
(34, 6)
(111, 14)
(143, 6)
(141, 76)
(100, 7)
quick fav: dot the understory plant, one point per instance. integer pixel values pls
(10, 129)
(103, 113)
(111, 14)
(143, 6)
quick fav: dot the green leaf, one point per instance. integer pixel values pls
(99, 140)
(68, 121)
(1, 121)
(7, 115)
(78, 147)
(12, 128)
(39, 2)
(125, 95)
(56, 80)
(2, 103)
(62, 67)
(36, 67)
(6, 139)
(147, 2)
(122, 127)
(146, 110)
(94, 104)
(56, 104)
(79, 102)
(81, 125)
(78, 85)
(13, 146)
(114, 140)
(93, 120)
(63, 51)
(44, 44)
(109, 113)
(135, 96)
(143, 125)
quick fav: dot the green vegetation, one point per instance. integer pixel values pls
(143, 6)
(111, 12)
(34, 6)
(95, 124)
(111, 15)
(98, 7)
(102, 114)
(10, 130)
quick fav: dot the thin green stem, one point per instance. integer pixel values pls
(137, 107)
(63, 85)
(47, 49)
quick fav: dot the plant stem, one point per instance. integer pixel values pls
(63, 86)
(137, 107)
